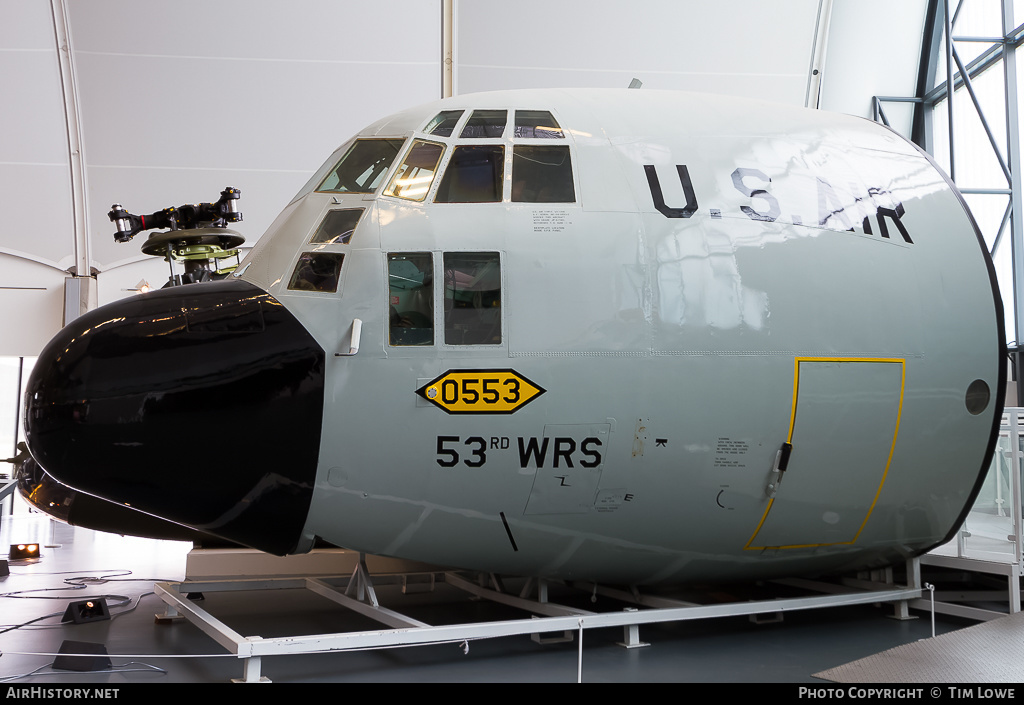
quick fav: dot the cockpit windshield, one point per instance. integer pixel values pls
(358, 167)
(363, 167)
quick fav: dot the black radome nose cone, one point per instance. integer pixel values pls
(199, 404)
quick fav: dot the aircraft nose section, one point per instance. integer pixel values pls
(199, 404)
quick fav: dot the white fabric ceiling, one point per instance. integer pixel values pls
(175, 101)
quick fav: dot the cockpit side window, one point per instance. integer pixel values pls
(542, 174)
(363, 167)
(413, 178)
(475, 174)
(443, 123)
(537, 124)
(337, 226)
(410, 298)
(472, 298)
(485, 123)
(317, 271)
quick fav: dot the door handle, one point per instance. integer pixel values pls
(781, 463)
(357, 330)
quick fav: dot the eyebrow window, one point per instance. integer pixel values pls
(337, 227)
(485, 123)
(537, 124)
(363, 167)
(475, 174)
(317, 271)
(472, 298)
(443, 123)
(413, 178)
(542, 174)
(410, 299)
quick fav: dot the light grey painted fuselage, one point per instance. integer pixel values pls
(809, 278)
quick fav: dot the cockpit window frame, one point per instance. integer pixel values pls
(528, 154)
(381, 177)
(498, 151)
(320, 235)
(441, 125)
(302, 272)
(412, 143)
(526, 119)
(411, 321)
(320, 175)
(556, 141)
(483, 119)
(472, 331)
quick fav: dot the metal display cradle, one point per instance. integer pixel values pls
(544, 620)
(989, 542)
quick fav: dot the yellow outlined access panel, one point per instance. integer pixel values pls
(843, 428)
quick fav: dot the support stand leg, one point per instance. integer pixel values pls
(170, 616)
(1014, 588)
(631, 634)
(901, 610)
(542, 596)
(360, 587)
(251, 672)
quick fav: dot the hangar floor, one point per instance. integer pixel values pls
(89, 564)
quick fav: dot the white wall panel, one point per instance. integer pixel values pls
(36, 207)
(738, 47)
(35, 197)
(34, 187)
(32, 108)
(31, 305)
(26, 25)
(324, 30)
(874, 48)
(179, 100)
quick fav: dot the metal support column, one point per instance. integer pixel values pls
(1013, 159)
(813, 97)
(948, 19)
(84, 294)
(448, 42)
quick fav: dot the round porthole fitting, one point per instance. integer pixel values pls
(978, 396)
